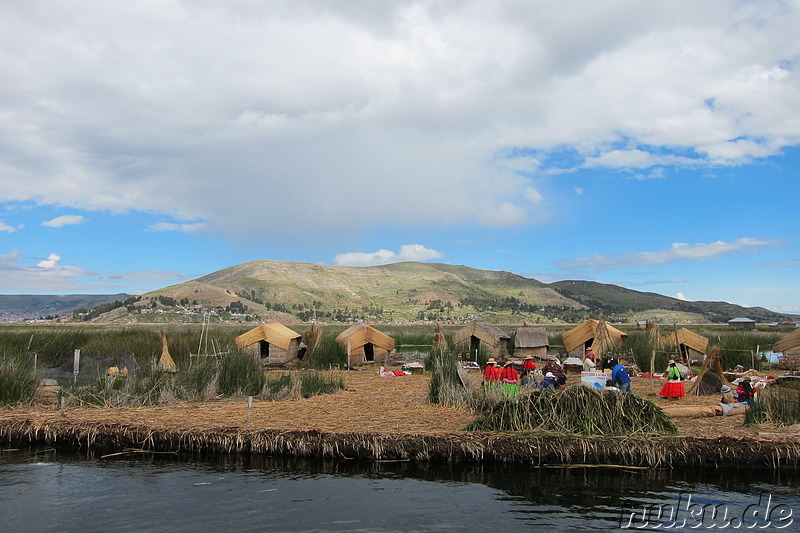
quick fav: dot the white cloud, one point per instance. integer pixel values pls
(287, 113)
(51, 262)
(64, 220)
(676, 252)
(183, 228)
(9, 229)
(579, 191)
(408, 252)
(680, 296)
(19, 276)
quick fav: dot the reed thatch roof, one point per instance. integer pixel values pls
(587, 331)
(361, 334)
(530, 337)
(273, 333)
(688, 338)
(788, 343)
(485, 332)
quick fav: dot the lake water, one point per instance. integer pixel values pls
(49, 490)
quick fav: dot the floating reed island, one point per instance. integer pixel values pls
(383, 419)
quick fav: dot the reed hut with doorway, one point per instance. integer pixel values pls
(273, 343)
(692, 346)
(595, 334)
(531, 341)
(475, 334)
(365, 344)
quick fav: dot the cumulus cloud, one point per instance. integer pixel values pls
(22, 275)
(408, 252)
(675, 253)
(51, 262)
(64, 220)
(680, 296)
(183, 228)
(286, 112)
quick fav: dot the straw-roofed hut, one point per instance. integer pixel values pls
(531, 341)
(692, 345)
(274, 343)
(365, 344)
(490, 336)
(789, 345)
(588, 334)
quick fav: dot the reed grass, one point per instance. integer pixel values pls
(325, 355)
(576, 410)
(778, 404)
(18, 380)
(445, 386)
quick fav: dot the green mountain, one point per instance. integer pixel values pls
(430, 291)
(20, 306)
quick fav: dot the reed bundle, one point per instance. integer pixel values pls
(576, 410)
(777, 404)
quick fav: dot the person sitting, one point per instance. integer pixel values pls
(745, 391)
(553, 366)
(610, 385)
(528, 380)
(673, 388)
(549, 382)
(620, 376)
(727, 395)
(728, 404)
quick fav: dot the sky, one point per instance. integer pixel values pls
(652, 145)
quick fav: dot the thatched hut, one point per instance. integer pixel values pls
(693, 346)
(274, 343)
(365, 344)
(476, 333)
(531, 341)
(789, 345)
(585, 336)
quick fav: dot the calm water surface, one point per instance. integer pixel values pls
(49, 490)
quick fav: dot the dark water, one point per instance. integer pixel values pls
(48, 490)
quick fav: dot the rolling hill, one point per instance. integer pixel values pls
(435, 291)
(399, 292)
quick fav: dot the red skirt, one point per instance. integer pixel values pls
(672, 389)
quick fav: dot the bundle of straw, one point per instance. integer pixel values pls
(576, 410)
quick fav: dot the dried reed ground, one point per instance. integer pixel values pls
(369, 404)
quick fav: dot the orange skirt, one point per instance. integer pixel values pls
(672, 389)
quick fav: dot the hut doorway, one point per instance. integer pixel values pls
(369, 352)
(263, 349)
(474, 346)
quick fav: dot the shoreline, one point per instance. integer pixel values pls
(467, 447)
(388, 419)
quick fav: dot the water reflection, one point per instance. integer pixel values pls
(42, 489)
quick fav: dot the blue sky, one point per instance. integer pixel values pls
(650, 145)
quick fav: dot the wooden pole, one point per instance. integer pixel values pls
(249, 407)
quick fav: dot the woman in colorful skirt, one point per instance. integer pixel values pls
(510, 378)
(673, 388)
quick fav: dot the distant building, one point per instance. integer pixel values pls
(531, 341)
(742, 323)
(783, 324)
